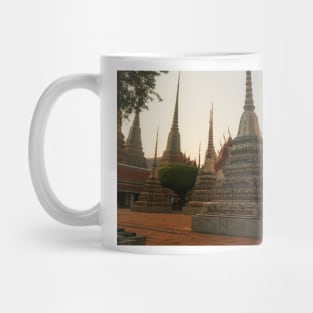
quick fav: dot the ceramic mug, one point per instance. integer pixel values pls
(184, 172)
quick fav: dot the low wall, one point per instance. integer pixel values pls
(228, 225)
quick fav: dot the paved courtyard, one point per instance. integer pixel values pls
(172, 229)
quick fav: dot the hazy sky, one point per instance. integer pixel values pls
(197, 92)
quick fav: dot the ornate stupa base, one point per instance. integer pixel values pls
(202, 193)
(232, 207)
(152, 202)
(152, 199)
(197, 206)
(229, 218)
(244, 226)
(200, 198)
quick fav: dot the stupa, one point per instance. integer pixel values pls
(121, 153)
(173, 154)
(204, 188)
(133, 146)
(152, 198)
(237, 206)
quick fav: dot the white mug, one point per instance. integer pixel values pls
(162, 191)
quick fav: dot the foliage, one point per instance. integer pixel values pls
(135, 89)
(178, 177)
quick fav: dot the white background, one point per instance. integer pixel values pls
(49, 267)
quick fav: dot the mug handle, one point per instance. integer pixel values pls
(45, 194)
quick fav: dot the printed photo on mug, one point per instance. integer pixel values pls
(189, 158)
(181, 152)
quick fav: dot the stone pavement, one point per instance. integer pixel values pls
(172, 229)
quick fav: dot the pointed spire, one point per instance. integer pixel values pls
(173, 154)
(156, 147)
(136, 120)
(133, 146)
(199, 154)
(249, 125)
(249, 95)
(154, 171)
(203, 190)
(175, 116)
(121, 153)
(210, 142)
(229, 134)
(210, 152)
(135, 132)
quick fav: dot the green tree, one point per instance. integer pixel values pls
(135, 89)
(178, 177)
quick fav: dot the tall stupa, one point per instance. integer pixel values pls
(121, 153)
(152, 198)
(133, 146)
(173, 154)
(236, 209)
(203, 190)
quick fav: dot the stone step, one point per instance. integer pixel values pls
(121, 232)
(129, 238)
